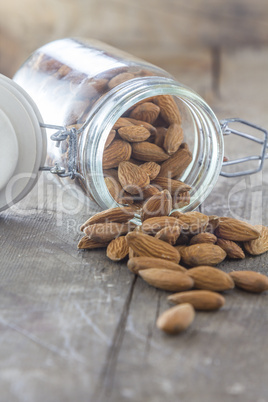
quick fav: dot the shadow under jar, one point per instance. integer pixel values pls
(97, 90)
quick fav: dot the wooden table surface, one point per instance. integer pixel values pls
(75, 326)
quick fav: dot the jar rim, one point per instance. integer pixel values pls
(113, 104)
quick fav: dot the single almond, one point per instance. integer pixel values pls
(146, 111)
(118, 214)
(176, 164)
(134, 133)
(105, 232)
(145, 151)
(117, 249)
(117, 152)
(152, 225)
(200, 299)
(173, 186)
(250, 280)
(86, 243)
(202, 254)
(203, 238)
(169, 234)
(142, 123)
(149, 191)
(145, 245)
(136, 264)
(260, 245)
(117, 191)
(173, 138)
(168, 109)
(110, 138)
(208, 278)
(196, 221)
(166, 279)
(159, 204)
(122, 122)
(151, 168)
(232, 249)
(176, 319)
(236, 230)
(119, 79)
(132, 178)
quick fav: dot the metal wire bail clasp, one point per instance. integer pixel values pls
(226, 130)
(62, 134)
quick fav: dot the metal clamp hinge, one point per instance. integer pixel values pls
(226, 130)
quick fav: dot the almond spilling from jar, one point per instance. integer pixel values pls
(205, 300)
(105, 232)
(117, 214)
(232, 249)
(132, 178)
(159, 204)
(208, 278)
(117, 249)
(202, 254)
(260, 245)
(250, 281)
(148, 246)
(136, 264)
(236, 230)
(166, 279)
(176, 319)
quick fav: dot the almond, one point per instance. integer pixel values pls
(159, 204)
(173, 138)
(231, 248)
(118, 214)
(136, 264)
(249, 280)
(234, 229)
(151, 168)
(166, 279)
(202, 254)
(132, 178)
(203, 238)
(176, 319)
(105, 232)
(173, 186)
(142, 123)
(213, 223)
(117, 191)
(159, 137)
(146, 111)
(153, 225)
(117, 152)
(176, 164)
(149, 191)
(208, 278)
(196, 221)
(119, 79)
(181, 200)
(145, 151)
(168, 108)
(260, 245)
(86, 243)
(110, 138)
(200, 299)
(122, 122)
(145, 245)
(169, 234)
(134, 133)
(117, 249)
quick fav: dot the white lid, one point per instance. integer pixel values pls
(22, 143)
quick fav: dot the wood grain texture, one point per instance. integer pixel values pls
(76, 326)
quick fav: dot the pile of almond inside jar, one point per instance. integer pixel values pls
(145, 153)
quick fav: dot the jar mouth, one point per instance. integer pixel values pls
(206, 136)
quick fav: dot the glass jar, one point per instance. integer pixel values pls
(82, 88)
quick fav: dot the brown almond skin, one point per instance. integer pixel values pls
(205, 300)
(117, 249)
(203, 238)
(260, 245)
(117, 152)
(173, 138)
(176, 319)
(148, 246)
(166, 279)
(202, 254)
(134, 133)
(132, 178)
(176, 164)
(122, 122)
(117, 214)
(169, 234)
(110, 138)
(153, 225)
(105, 232)
(175, 187)
(208, 278)
(232, 249)
(135, 264)
(168, 109)
(146, 111)
(159, 204)
(151, 168)
(86, 243)
(196, 221)
(250, 281)
(147, 152)
(236, 230)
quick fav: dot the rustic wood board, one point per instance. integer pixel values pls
(75, 326)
